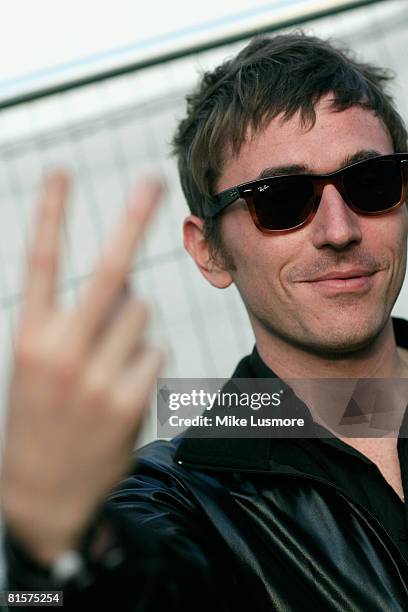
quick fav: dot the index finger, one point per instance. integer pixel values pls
(116, 259)
(43, 256)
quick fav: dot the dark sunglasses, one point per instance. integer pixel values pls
(282, 203)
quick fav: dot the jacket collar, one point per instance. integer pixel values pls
(250, 453)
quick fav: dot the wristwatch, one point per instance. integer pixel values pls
(100, 549)
(71, 567)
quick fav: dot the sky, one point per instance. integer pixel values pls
(46, 42)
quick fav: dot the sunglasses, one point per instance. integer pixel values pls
(282, 203)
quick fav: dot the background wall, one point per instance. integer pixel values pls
(105, 134)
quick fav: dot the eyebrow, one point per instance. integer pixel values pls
(303, 169)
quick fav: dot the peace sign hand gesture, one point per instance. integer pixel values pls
(81, 382)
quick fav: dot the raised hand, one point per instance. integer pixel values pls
(81, 382)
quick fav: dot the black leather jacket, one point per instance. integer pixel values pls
(240, 536)
(217, 525)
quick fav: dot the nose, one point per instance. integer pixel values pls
(334, 223)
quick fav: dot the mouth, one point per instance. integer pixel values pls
(343, 282)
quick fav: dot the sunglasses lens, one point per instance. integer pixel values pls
(374, 186)
(284, 204)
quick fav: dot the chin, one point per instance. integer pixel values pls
(343, 337)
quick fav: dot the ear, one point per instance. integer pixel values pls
(197, 246)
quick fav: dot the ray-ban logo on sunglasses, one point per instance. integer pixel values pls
(263, 188)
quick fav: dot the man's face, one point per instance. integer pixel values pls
(273, 271)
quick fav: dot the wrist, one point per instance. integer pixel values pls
(43, 551)
(99, 549)
(44, 535)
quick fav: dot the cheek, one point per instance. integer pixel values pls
(403, 223)
(260, 258)
(388, 233)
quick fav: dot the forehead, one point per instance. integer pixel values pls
(321, 149)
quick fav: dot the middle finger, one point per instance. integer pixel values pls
(113, 267)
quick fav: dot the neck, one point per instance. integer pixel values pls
(381, 359)
(317, 389)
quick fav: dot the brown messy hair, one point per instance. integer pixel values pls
(284, 73)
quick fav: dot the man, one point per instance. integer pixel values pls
(319, 259)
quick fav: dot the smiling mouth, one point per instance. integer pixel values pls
(363, 282)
